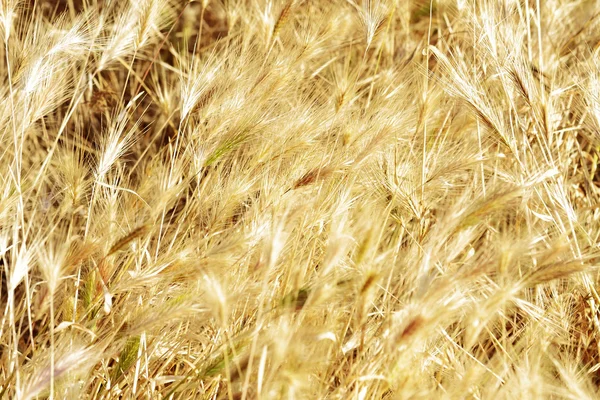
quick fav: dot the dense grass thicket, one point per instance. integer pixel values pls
(299, 199)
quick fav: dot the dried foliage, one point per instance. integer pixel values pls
(299, 199)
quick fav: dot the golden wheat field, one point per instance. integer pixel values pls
(299, 199)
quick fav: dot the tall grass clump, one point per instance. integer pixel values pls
(299, 199)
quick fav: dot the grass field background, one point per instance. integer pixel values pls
(298, 199)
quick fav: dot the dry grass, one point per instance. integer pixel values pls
(299, 199)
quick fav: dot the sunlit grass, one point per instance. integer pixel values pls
(299, 199)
